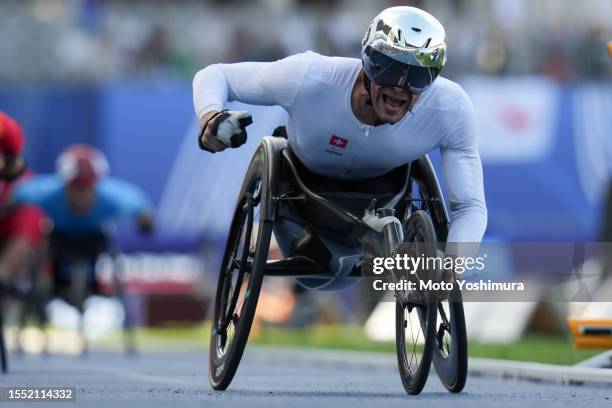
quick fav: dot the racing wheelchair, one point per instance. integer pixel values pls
(73, 281)
(328, 224)
(74, 278)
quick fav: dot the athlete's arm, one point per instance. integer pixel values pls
(125, 199)
(462, 171)
(255, 83)
(38, 190)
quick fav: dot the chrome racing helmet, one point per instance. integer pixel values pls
(405, 47)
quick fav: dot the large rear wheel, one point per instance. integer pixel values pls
(3, 353)
(240, 279)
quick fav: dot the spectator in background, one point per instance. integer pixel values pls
(155, 53)
(81, 200)
(588, 50)
(21, 226)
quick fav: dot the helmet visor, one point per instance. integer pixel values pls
(386, 71)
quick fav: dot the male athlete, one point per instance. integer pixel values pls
(351, 119)
(81, 200)
(22, 226)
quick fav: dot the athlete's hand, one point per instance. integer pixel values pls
(146, 224)
(207, 139)
(224, 129)
(11, 166)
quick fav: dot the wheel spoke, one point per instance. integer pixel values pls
(413, 361)
(443, 314)
(243, 298)
(235, 264)
(443, 335)
(414, 345)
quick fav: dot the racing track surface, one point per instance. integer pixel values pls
(271, 377)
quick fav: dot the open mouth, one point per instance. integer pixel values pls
(393, 104)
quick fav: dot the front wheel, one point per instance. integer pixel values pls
(415, 321)
(240, 280)
(415, 329)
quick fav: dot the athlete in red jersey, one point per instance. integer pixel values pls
(21, 226)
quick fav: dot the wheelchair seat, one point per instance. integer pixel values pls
(334, 207)
(354, 195)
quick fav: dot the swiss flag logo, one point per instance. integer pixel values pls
(338, 141)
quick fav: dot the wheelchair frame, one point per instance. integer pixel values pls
(420, 171)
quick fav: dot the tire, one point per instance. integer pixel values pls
(3, 352)
(420, 231)
(244, 261)
(451, 352)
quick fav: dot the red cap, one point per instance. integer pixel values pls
(11, 135)
(82, 165)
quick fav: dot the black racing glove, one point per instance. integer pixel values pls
(229, 127)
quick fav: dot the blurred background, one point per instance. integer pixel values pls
(117, 75)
